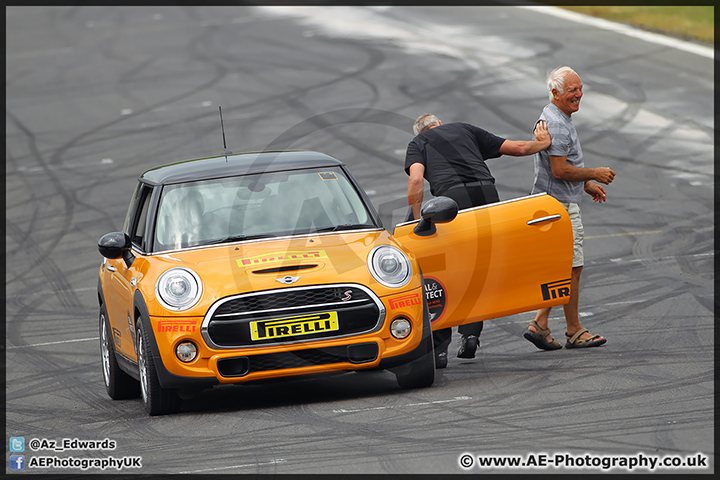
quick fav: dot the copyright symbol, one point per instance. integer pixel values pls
(34, 444)
(466, 460)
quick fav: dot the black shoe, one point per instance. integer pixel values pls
(441, 360)
(468, 347)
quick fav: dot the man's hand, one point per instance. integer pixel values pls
(604, 175)
(541, 133)
(520, 148)
(596, 191)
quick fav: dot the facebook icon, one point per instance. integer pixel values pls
(17, 462)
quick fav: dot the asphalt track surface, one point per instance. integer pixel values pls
(95, 96)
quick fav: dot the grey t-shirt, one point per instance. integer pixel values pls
(565, 143)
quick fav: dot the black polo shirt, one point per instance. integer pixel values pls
(453, 154)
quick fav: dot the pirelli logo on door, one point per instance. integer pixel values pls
(555, 290)
(293, 326)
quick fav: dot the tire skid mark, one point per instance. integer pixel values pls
(58, 155)
(52, 273)
(61, 192)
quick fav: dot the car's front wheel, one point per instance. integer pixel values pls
(157, 400)
(420, 372)
(119, 385)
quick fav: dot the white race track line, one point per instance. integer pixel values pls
(52, 343)
(656, 38)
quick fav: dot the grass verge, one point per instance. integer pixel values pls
(687, 22)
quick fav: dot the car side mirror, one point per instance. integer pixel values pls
(437, 210)
(116, 245)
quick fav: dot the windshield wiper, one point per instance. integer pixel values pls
(344, 226)
(239, 238)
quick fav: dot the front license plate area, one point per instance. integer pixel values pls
(280, 328)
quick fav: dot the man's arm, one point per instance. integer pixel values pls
(564, 171)
(416, 187)
(519, 148)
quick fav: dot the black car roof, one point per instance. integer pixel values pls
(236, 164)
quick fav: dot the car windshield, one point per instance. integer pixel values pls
(257, 206)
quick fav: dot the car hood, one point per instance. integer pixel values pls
(238, 268)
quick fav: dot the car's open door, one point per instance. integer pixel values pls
(495, 260)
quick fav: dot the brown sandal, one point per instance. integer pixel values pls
(537, 338)
(576, 342)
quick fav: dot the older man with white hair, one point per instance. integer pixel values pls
(560, 171)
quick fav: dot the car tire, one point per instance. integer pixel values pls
(420, 373)
(157, 400)
(119, 385)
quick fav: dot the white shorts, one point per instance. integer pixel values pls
(578, 233)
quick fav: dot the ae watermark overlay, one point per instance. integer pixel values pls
(585, 461)
(33, 454)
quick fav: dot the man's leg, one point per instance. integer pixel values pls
(470, 334)
(441, 342)
(538, 332)
(572, 317)
(541, 318)
(542, 315)
(474, 196)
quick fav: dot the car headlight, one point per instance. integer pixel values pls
(389, 266)
(178, 289)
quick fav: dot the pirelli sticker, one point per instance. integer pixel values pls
(553, 290)
(279, 257)
(405, 301)
(185, 326)
(294, 326)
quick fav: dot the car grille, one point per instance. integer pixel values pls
(241, 366)
(290, 315)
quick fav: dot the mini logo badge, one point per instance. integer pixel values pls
(287, 279)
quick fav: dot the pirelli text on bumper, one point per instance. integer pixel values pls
(585, 461)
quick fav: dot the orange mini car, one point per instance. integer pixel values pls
(266, 265)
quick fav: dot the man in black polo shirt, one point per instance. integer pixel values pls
(451, 157)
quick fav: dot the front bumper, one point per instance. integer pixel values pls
(373, 349)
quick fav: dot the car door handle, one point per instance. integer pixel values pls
(111, 268)
(549, 218)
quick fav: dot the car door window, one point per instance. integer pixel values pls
(136, 223)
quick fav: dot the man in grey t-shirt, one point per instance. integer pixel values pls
(560, 171)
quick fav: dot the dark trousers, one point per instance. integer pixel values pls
(465, 197)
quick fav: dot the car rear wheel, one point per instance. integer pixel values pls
(119, 385)
(157, 400)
